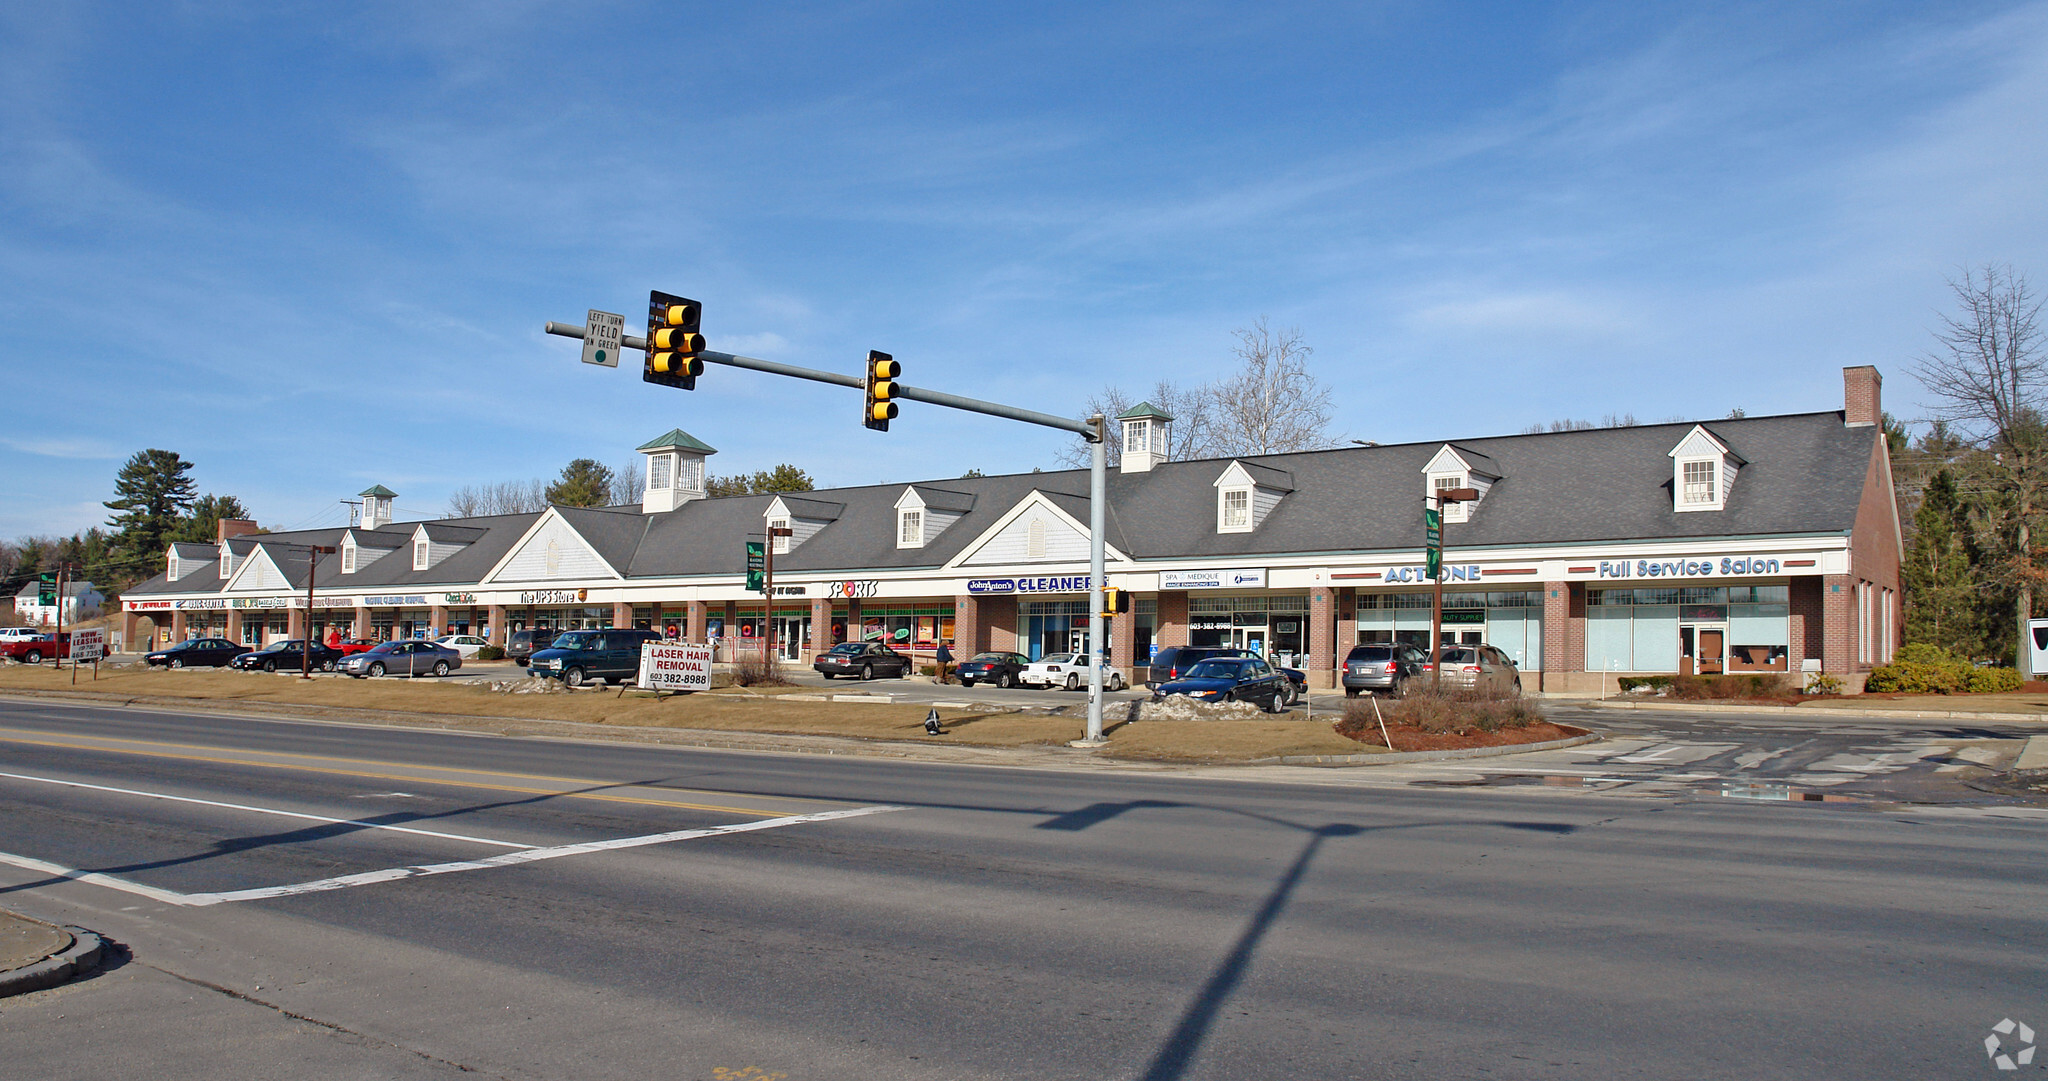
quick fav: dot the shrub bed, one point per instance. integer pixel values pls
(753, 668)
(491, 653)
(1924, 669)
(1731, 685)
(1456, 712)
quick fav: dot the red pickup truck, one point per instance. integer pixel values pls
(36, 650)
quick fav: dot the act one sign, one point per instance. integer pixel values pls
(675, 666)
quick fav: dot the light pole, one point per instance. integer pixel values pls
(1444, 497)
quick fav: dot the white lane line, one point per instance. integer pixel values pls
(271, 811)
(1650, 757)
(392, 874)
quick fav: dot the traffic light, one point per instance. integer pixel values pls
(672, 340)
(46, 590)
(1115, 602)
(881, 407)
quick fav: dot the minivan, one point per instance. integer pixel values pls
(576, 657)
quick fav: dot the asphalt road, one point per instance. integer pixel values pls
(307, 900)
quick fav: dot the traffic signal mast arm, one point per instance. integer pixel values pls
(916, 394)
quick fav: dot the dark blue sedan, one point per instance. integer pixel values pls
(195, 653)
(1232, 679)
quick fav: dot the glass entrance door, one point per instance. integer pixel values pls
(792, 634)
(1702, 649)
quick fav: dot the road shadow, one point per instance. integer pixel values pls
(1098, 812)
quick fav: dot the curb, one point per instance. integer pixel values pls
(1809, 711)
(1424, 756)
(81, 957)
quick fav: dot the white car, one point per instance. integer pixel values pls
(20, 634)
(465, 644)
(1069, 670)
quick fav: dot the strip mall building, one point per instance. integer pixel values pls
(1756, 544)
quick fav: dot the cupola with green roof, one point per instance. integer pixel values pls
(1144, 437)
(675, 470)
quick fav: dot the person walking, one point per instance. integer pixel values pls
(945, 659)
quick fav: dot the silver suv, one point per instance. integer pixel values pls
(1479, 668)
(1383, 667)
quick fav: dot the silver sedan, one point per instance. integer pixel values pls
(415, 657)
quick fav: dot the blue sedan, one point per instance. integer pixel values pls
(1232, 679)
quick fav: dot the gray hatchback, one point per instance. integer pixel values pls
(412, 657)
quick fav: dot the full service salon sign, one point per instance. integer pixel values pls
(1728, 567)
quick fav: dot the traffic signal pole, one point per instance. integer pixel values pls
(1094, 430)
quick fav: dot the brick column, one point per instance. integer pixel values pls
(1557, 658)
(622, 614)
(970, 635)
(999, 615)
(732, 631)
(362, 623)
(698, 614)
(177, 626)
(437, 618)
(495, 616)
(295, 622)
(235, 625)
(1838, 628)
(1171, 625)
(129, 621)
(821, 625)
(1804, 625)
(1123, 644)
(1322, 632)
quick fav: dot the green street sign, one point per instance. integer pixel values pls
(756, 554)
(1433, 542)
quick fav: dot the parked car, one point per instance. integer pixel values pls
(412, 657)
(1383, 667)
(1069, 670)
(465, 644)
(195, 653)
(522, 645)
(1231, 679)
(577, 656)
(351, 646)
(1479, 668)
(1173, 662)
(288, 655)
(37, 649)
(1000, 669)
(19, 634)
(863, 659)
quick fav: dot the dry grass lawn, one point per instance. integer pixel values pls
(725, 710)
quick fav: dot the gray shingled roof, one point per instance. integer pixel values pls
(817, 510)
(1804, 475)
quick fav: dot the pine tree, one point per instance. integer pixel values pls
(152, 493)
(203, 527)
(1941, 594)
(585, 482)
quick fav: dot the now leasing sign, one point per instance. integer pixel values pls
(89, 644)
(675, 666)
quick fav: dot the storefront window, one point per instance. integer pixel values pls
(1508, 620)
(1145, 615)
(1646, 629)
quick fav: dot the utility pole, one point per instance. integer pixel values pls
(1092, 429)
(1433, 516)
(313, 554)
(57, 649)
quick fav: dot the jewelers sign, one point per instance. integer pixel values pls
(675, 666)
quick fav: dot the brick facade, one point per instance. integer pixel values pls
(1322, 633)
(1171, 625)
(999, 615)
(821, 626)
(970, 635)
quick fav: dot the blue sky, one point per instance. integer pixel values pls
(311, 246)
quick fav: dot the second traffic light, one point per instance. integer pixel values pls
(881, 379)
(1115, 602)
(673, 341)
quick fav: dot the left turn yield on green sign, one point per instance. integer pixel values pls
(602, 332)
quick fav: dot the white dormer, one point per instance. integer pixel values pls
(802, 517)
(1145, 443)
(348, 553)
(377, 506)
(675, 471)
(1458, 467)
(1703, 471)
(1246, 493)
(924, 512)
(227, 562)
(184, 559)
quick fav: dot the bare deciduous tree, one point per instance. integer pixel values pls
(506, 497)
(1988, 375)
(629, 482)
(1188, 435)
(1271, 405)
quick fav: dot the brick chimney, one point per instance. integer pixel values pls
(234, 527)
(1860, 396)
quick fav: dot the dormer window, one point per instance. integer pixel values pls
(227, 564)
(1698, 484)
(421, 553)
(1459, 467)
(1234, 513)
(348, 556)
(1703, 469)
(910, 527)
(1453, 512)
(781, 543)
